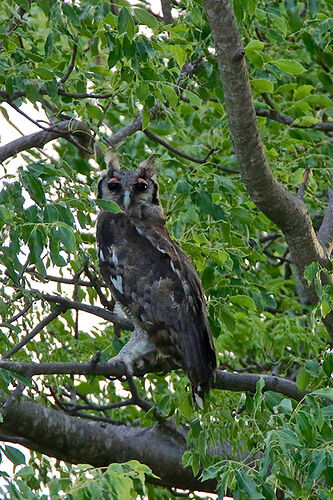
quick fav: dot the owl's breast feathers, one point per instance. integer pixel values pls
(154, 279)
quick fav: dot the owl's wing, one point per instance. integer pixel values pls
(193, 332)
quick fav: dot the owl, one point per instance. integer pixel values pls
(150, 277)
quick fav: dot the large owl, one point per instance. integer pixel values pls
(151, 278)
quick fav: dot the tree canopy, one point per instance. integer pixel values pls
(235, 100)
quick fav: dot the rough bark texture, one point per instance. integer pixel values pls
(283, 208)
(39, 139)
(99, 444)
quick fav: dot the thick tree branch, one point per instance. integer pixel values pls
(66, 128)
(283, 208)
(72, 439)
(166, 9)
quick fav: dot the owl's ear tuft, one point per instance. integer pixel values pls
(112, 162)
(147, 169)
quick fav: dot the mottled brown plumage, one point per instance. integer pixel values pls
(151, 278)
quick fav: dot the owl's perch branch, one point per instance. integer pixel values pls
(237, 382)
(282, 207)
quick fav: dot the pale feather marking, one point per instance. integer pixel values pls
(101, 256)
(117, 283)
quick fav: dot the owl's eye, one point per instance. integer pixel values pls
(114, 184)
(141, 185)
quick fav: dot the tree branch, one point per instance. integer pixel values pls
(272, 114)
(237, 382)
(71, 65)
(283, 208)
(166, 9)
(80, 306)
(176, 151)
(54, 314)
(72, 439)
(66, 128)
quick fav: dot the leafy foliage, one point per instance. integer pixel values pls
(48, 209)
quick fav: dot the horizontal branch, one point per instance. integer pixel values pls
(43, 91)
(39, 139)
(78, 441)
(272, 114)
(237, 382)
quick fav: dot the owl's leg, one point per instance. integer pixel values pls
(138, 347)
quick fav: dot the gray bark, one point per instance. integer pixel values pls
(78, 441)
(284, 209)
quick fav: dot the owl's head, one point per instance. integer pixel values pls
(131, 189)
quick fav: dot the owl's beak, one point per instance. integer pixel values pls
(127, 198)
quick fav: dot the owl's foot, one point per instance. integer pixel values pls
(136, 350)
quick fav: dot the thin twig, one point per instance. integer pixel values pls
(12, 105)
(176, 151)
(25, 309)
(301, 189)
(272, 114)
(95, 310)
(97, 284)
(71, 65)
(54, 314)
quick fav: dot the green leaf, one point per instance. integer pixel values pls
(325, 393)
(311, 272)
(228, 318)
(146, 18)
(34, 187)
(110, 206)
(14, 455)
(94, 112)
(302, 379)
(193, 98)
(254, 45)
(145, 117)
(44, 73)
(179, 54)
(171, 95)
(261, 85)
(289, 66)
(302, 91)
(70, 12)
(67, 238)
(243, 300)
(247, 486)
(312, 366)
